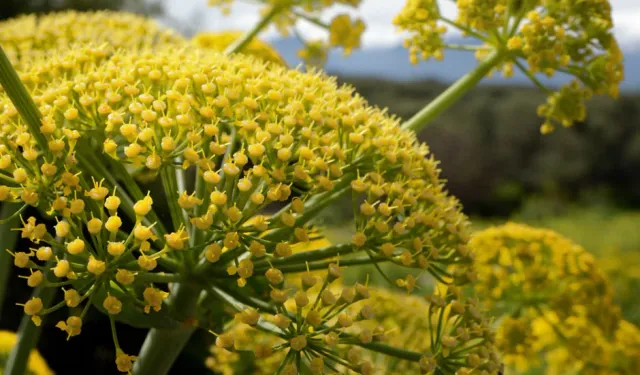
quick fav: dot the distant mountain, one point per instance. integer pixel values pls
(392, 63)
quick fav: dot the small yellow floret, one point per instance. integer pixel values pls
(154, 298)
(95, 266)
(75, 247)
(112, 305)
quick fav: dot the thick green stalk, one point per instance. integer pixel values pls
(21, 99)
(162, 346)
(451, 95)
(8, 239)
(28, 336)
(239, 44)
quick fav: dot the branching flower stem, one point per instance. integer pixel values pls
(264, 306)
(452, 94)
(239, 44)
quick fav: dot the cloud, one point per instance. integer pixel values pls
(377, 13)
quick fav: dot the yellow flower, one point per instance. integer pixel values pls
(482, 15)
(124, 362)
(395, 319)
(535, 36)
(33, 38)
(407, 321)
(421, 19)
(206, 111)
(220, 41)
(36, 365)
(558, 306)
(345, 33)
(154, 298)
(314, 53)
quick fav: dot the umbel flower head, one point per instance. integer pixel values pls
(220, 41)
(463, 345)
(270, 148)
(37, 37)
(537, 37)
(556, 304)
(344, 31)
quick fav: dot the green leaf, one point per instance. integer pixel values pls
(132, 314)
(21, 100)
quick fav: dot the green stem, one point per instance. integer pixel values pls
(463, 47)
(319, 265)
(28, 336)
(311, 19)
(170, 185)
(129, 192)
(531, 76)
(158, 277)
(136, 193)
(239, 44)
(306, 256)
(21, 100)
(453, 93)
(198, 235)
(392, 351)
(8, 239)
(162, 346)
(464, 29)
(181, 186)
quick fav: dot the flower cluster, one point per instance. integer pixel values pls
(464, 343)
(220, 41)
(553, 299)
(316, 319)
(538, 37)
(28, 38)
(323, 315)
(421, 18)
(259, 140)
(482, 15)
(314, 53)
(344, 31)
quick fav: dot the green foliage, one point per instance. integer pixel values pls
(12, 8)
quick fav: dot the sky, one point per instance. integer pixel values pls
(194, 15)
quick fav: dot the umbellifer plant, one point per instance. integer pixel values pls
(246, 155)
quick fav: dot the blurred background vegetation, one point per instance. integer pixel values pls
(13, 8)
(582, 182)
